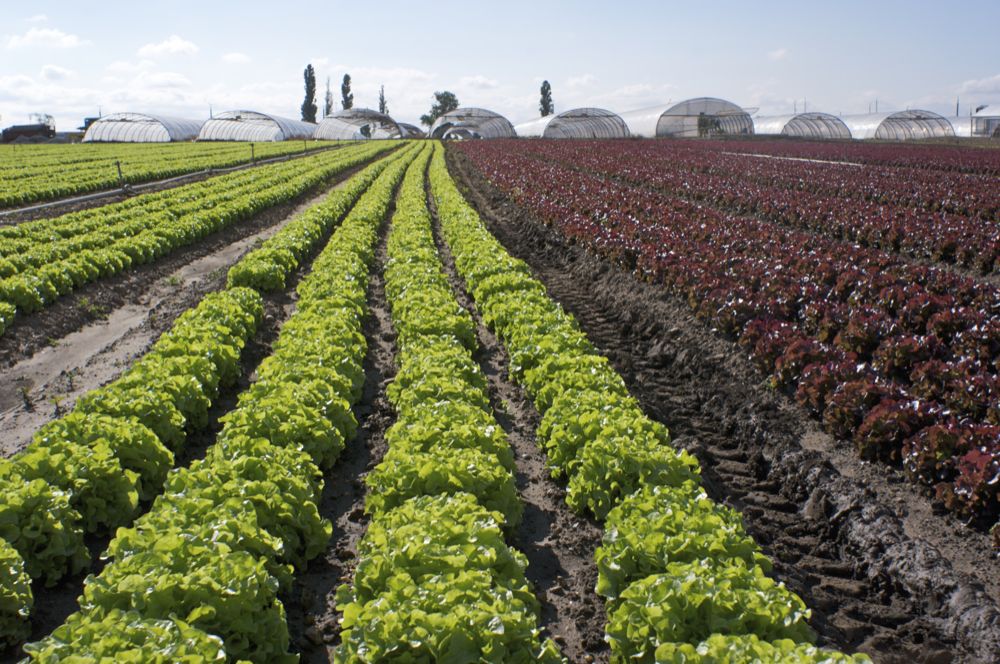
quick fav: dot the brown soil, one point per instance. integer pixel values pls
(559, 544)
(13, 217)
(313, 619)
(883, 573)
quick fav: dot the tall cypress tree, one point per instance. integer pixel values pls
(309, 105)
(346, 96)
(383, 107)
(545, 106)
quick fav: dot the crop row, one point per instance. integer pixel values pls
(199, 575)
(51, 258)
(949, 218)
(41, 173)
(435, 580)
(683, 581)
(901, 359)
(899, 155)
(87, 471)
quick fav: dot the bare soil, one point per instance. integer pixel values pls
(558, 543)
(313, 619)
(882, 572)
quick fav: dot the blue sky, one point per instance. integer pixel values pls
(71, 58)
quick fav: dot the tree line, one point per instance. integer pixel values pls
(444, 101)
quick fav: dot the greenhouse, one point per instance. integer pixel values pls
(801, 125)
(141, 128)
(577, 123)
(704, 116)
(254, 126)
(980, 126)
(899, 126)
(411, 131)
(466, 123)
(356, 124)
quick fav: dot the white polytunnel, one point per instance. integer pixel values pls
(801, 125)
(899, 126)
(981, 126)
(576, 123)
(254, 126)
(411, 131)
(466, 123)
(703, 116)
(356, 124)
(141, 128)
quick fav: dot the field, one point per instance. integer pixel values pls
(506, 401)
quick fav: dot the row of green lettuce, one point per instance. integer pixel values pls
(45, 260)
(32, 174)
(435, 580)
(198, 577)
(682, 580)
(113, 451)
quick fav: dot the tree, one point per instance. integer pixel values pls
(444, 102)
(309, 105)
(328, 100)
(346, 96)
(383, 107)
(545, 106)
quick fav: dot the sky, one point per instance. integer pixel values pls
(74, 59)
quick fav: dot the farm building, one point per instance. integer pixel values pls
(254, 126)
(978, 125)
(411, 131)
(141, 128)
(576, 123)
(357, 123)
(704, 116)
(801, 125)
(899, 126)
(465, 123)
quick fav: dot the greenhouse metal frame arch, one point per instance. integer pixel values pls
(585, 122)
(692, 118)
(254, 126)
(141, 128)
(802, 125)
(900, 125)
(469, 123)
(357, 124)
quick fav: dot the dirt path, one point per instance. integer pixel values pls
(48, 382)
(312, 617)
(882, 573)
(559, 544)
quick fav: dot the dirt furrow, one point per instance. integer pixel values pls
(312, 616)
(882, 573)
(559, 544)
(114, 330)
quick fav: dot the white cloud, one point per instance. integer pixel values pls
(125, 67)
(37, 18)
(583, 81)
(56, 73)
(172, 45)
(164, 79)
(46, 38)
(236, 58)
(777, 54)
(983, 86)
(318, 63)
(478, 82)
